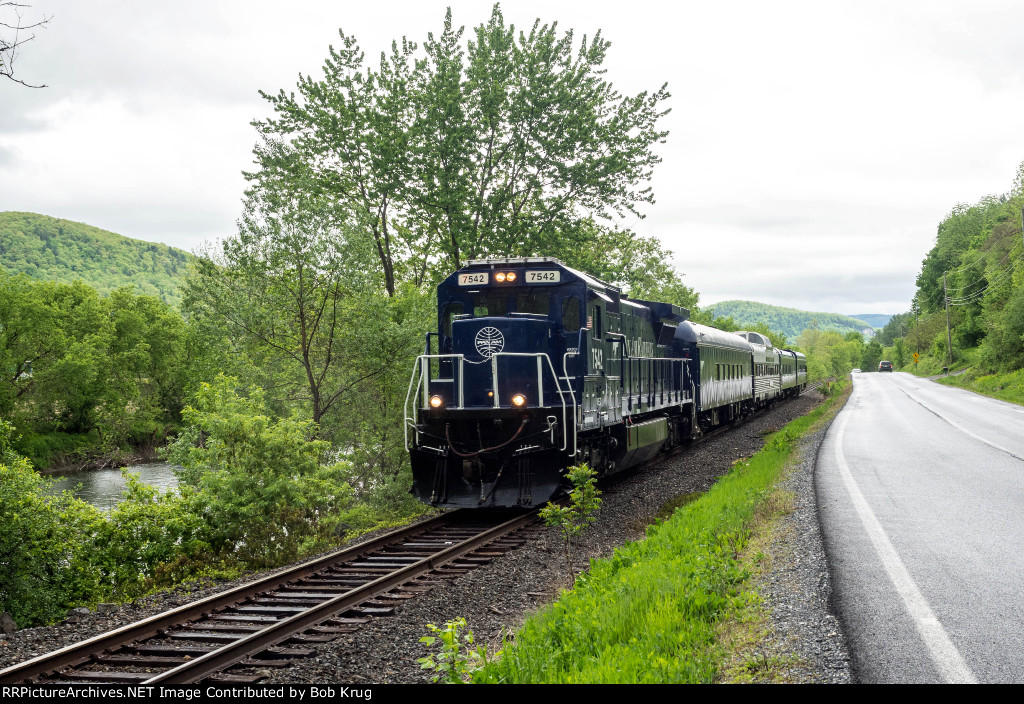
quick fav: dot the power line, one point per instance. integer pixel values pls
(998, 278)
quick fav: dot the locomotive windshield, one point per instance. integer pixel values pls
(533, 302)
(492, 303)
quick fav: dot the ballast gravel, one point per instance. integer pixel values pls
(496, 598)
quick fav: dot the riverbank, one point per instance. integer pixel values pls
(59, 453)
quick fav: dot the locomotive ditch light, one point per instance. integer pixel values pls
(436, 402)
(518, 400)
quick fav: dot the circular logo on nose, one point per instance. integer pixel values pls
(489, 341)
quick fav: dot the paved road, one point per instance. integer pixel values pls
(921, 495)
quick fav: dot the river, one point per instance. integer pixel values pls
(102, 487)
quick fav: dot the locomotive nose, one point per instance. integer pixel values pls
(479, 339)
(504, 356)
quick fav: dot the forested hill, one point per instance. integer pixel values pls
(875, 320)
(789, 321)
(48, 248)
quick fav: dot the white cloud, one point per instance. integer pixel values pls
(814, 146)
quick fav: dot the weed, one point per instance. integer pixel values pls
(581, 512)
(456, 657)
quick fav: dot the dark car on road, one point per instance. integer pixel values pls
(884, 366)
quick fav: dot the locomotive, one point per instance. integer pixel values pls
(536, 367)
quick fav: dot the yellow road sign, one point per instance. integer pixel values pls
(916, 357)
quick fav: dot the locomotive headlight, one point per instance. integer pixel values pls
(511, 276)
(436, 402)
(500, 276)
(518, 400)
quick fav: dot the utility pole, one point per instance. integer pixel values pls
(949, 341)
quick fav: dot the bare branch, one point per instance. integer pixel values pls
(12, 39)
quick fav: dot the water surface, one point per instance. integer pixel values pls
(103, 487)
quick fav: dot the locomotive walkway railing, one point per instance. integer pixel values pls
(421, 380)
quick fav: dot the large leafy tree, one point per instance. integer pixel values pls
(283, 289)
(507, 145)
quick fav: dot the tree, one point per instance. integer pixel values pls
(284, 286)
(871, 357)
(12, 37)
(510, 146)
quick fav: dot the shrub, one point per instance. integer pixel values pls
(45, 544)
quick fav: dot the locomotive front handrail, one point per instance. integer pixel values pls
(422, 368)
(541, 357)
(420, 380)
(572, 395)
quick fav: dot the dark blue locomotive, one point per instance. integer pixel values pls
(536, 367)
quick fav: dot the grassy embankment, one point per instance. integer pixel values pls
(1006, 386)
(679, 606)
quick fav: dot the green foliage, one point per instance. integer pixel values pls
(45, 546)
(897, 327)
(504, 144)
(580, 513)
(649, 613)
(977, 263)
(46, 248)
(1007, 386)
(80, 371)
(456, 656)
(261, 486)
(830, 354)
(787, 321)
(145, 532)
(871, 356)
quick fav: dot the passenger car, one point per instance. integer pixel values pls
(884, 366)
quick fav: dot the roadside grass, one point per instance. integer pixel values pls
(1008, 386)
(679, 606)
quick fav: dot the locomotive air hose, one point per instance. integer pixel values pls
(448, 437)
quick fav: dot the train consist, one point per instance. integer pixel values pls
(536, 367)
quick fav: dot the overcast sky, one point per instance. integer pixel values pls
(813, 147)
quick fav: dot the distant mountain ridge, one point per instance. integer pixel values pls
(876, 320)
(789, 321)
(48, 248)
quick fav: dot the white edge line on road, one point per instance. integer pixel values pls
(944, 654)
(963, 430)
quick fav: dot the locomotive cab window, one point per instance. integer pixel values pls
(450, 311)
(570, 314)
(490, 305)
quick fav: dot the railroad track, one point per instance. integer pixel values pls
(265, 623)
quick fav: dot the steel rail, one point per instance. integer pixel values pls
(233, 653)
(84, 651)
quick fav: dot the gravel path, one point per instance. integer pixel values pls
(495, 599)
(798, 586)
